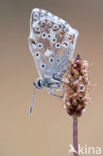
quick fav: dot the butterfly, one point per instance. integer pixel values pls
(52, 43)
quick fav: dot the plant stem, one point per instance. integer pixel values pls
(75, 134)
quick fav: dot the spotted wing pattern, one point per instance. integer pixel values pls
(52, 42)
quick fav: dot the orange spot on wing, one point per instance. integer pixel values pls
(33, 42)
(62, 32)
(70, 38)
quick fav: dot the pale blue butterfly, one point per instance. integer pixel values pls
(52, 42)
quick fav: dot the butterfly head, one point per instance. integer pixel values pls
(38, 84)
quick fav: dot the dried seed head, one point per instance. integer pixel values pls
(75, 86)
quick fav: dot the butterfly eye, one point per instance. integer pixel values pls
(65, 44)
(54, 40)
(44, 35)
(40, 45)
(58, 45)
(51, 60)
(37, 55)
(43, 66)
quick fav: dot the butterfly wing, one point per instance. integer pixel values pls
(52, 42)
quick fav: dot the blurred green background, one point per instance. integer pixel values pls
(48, 131)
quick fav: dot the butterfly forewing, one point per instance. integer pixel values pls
(52, 42)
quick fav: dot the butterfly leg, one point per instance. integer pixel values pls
(53, 94)
(57, 76)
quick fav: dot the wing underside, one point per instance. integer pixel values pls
(52, 42)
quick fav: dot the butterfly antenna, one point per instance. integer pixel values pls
(31, 107)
